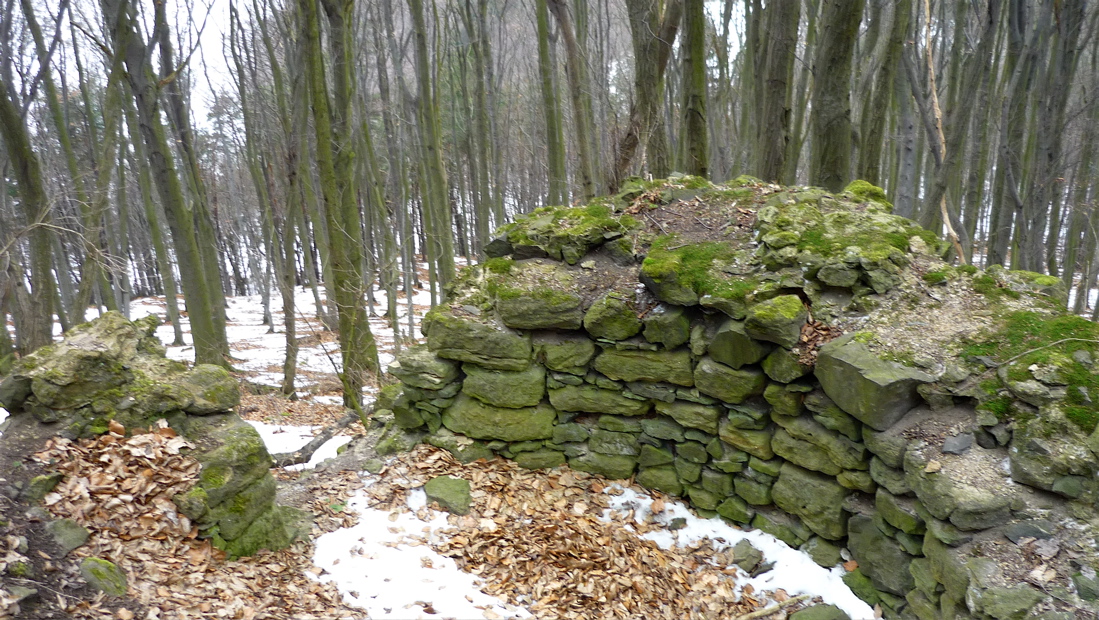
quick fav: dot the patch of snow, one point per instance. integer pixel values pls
(3, 416)
(376, 569)
(793, 570)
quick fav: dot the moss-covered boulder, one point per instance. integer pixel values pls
(612, 317)
(212, 390)
(564, 233)
(539, 296)
(107, 577)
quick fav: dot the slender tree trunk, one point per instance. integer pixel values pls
(653, 29)
(551, 110)
(832, 133)
(36, 327)
(210, 342)
(694, 135)
(332, 125)
(774, 83)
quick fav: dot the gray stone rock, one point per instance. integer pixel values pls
(609, 442)
(817, 499)
(654, 366)
(782, 526)
(1031, 528)
(462, 448)
(726, 383)
(877, 392)
(104, 576)
(782, 365)
(419, 367)
(746, 556)
(880, 558)
(957, 444)
(1049, 447)
(651, 456)
(822, 551)
(803, 453)
(477, 340)
(616, 467)
(900, 512)
(589, 398)
(564, 352)
(68, 534)
(540, 308)
(820, 612)
(1087, 585)
(702, 417)
(777, 320)
(668, 326)
(731, 345)
(663, 428)
(612, 317)
(756, 443)
(452, 494)
(736, 509)
(846, 454)
(1010, 603)
(212, 388)
(505, 388)
(540, 459)
(661, 478)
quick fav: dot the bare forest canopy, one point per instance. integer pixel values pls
(343, 141)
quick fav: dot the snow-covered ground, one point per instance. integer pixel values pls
(382, 564)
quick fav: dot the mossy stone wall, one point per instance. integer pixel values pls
(718, 404)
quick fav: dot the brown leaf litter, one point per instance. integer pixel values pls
(537, 540)
(120, 489)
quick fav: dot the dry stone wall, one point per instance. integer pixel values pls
(745, 373)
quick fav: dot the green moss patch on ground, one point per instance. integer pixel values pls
(1040, 346)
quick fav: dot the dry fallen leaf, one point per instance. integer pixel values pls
(850, 565)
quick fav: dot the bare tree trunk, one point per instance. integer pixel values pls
(832, 133)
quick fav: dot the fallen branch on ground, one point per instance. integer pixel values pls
(303, 455)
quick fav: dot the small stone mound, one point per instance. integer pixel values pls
(109, 377)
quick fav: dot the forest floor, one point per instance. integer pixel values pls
(542, 544)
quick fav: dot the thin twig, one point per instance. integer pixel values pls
(767, 611)
(658, 224)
